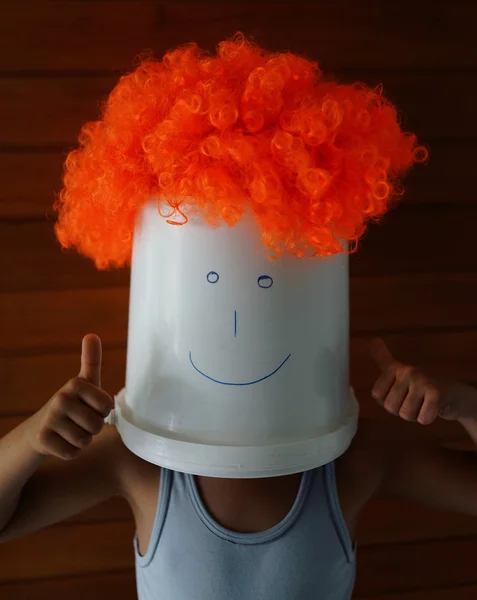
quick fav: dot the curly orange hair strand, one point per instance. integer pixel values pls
(313, 160)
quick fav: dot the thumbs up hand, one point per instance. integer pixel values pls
(66, 424)
(405, 391)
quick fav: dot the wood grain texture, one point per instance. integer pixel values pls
(61, 319)
(446, 433)
(458, 592)
(107, 35)
(62, 104)
(41, 264)
(117, 584)
(30, 375)
(385, 521)
(437, 239)
(93, 548)
(121, 586)
(388, 304)
(407, 567)
(414, 279)
(418, 239)
(430, 350)
(68, 549)
(115, 510)
(31, 380)
(379, 305)
(30, 181)
(54, 119)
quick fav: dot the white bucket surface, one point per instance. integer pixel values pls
(237, 365)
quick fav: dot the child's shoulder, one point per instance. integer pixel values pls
(131, 470)
(375, 441)
(361, 469)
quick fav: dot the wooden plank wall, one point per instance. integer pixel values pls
(414, 280)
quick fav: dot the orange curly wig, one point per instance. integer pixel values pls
(312, 159)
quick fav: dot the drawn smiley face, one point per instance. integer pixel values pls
(265, 282)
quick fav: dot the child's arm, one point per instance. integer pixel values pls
(39, 483)
(435, 476)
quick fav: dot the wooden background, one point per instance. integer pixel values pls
(414, 280)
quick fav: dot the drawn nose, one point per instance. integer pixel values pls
(235, 323)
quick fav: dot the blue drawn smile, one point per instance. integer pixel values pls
(230, 383)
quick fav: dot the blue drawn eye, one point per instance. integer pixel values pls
(212, 277)
(265, 281)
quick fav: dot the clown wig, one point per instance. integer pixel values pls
(243, 130)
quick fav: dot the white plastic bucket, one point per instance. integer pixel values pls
(237, 365)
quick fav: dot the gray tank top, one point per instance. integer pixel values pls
(307, 556)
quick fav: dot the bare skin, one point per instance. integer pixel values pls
(64, 460)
